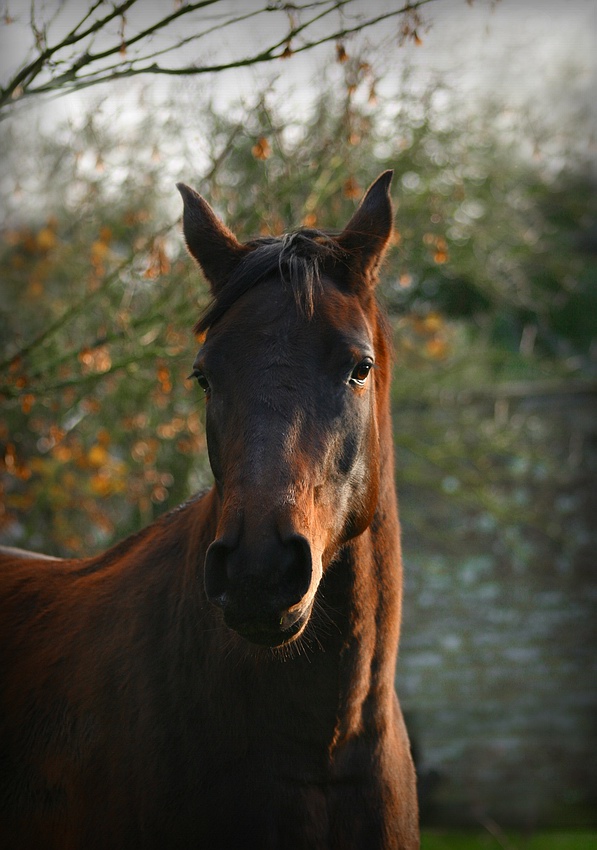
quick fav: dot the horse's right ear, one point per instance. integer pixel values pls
(216, 249)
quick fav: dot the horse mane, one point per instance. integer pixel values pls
(298, 257)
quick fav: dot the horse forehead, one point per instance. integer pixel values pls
(343, 312)
(269, 316)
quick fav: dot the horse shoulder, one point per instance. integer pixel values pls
(82, 645)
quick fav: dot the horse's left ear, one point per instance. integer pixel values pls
(366, 235)
(210, 242)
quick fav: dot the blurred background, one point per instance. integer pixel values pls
(281, 115)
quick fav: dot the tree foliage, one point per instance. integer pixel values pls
(491, 278)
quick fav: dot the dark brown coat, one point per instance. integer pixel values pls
(225, 678)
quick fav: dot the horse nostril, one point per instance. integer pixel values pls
(216, 579)
(295, 569)
(255, 584)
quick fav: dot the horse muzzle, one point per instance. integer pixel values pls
(263, 591)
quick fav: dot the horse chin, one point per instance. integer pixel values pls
(265, 635)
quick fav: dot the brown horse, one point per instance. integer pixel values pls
(225, 678)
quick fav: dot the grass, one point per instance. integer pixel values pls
(569, 840)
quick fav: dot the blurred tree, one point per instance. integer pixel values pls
(491, 279)
(100, 428)
(74, 45)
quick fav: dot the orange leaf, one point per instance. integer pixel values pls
(45, 239)
(341, 54)
(351, 188)
(27, 402)
(436, 348)
(261, 149)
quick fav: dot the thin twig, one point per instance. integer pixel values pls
(21, 86)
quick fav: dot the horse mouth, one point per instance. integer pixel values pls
(287, 629)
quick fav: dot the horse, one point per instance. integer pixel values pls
(225, 677)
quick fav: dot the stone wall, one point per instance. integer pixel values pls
(498, 666)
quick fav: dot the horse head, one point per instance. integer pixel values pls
(295, 368)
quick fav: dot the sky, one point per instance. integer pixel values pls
(510, 45)
(516, 51)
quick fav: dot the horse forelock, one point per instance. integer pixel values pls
(298, 258)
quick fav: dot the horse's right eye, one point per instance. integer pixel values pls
(201, 379)
(360, 373)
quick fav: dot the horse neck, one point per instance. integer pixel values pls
(350, 660)
(369, 589)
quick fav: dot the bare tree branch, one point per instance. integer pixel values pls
(20, 84)
(70, 63)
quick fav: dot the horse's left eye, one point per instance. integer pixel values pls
(360, 373)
